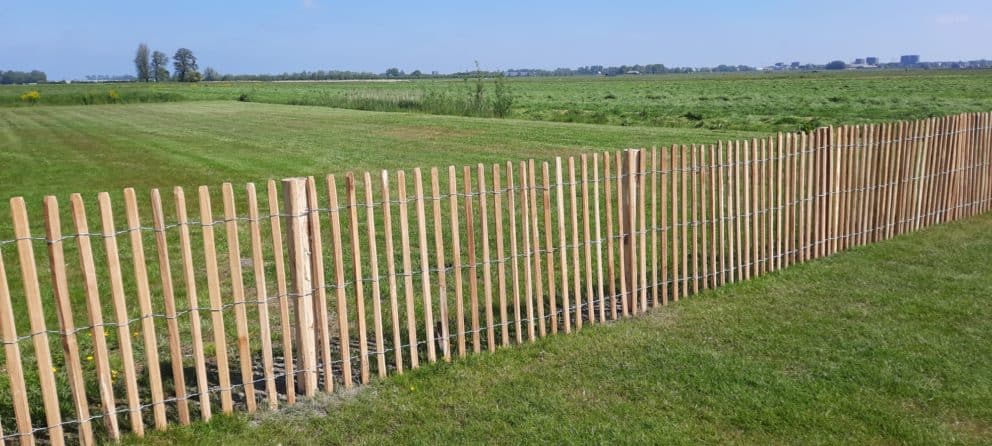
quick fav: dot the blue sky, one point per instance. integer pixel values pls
(70, 39)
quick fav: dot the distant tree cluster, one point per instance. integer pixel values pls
(154, 66)
(22, 77)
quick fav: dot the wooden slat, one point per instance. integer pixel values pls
(359, 279)
(538, 280)
(696, 199)
(665, 223)
(653, 227)
(261, 295)
(36, 317)
(723, 204)
(299, 249)
(566, 302)
(768, 183)
(320, 309)
(487, 285)
(145, 307)
(714, 217)
(15, 367)
(740, 208)
(411, 315)
(216, 302)
(282, 288)
(192, 300)
(425, 265)
(781, 183)
(514, 252)
(550, 258)
(704, 223)
(630, 207)
(169, 300)
(120, 313)
(787, 195)
(588, 241)
(380, 343)
(473, 274)
(757, 197)
(685, 178)
(610, 261)
(623, 234)
(504, 330)
(642, 166)
(67, 325)
(442, 274)
(344, 336)
(456, 258)
(525, 201)
(599, 238)
(238, 293)
(394, 307)
(574, 220)
(677, 228)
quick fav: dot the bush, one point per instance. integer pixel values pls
(31, 97)
(243, 98)
(113, 97)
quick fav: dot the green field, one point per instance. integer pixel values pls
(886, 344)
(752, 102)
(759, 362)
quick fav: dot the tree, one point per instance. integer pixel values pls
(394, 72)
(160, 66)
(184, 63)
(211, 74)
(836, 65)
(416, 73)
(141, 63)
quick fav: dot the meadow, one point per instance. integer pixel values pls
(89, 138)
(765, 102)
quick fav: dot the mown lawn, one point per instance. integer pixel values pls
(885, 344)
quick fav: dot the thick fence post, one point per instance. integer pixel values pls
(629, 172)
(298, 242)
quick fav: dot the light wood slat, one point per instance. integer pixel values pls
(694, 178)
(473, 270)
(394, 307)
(704, 222)
(216, 302)
(724, 204)
(654, 227)
(456, 258)
(192, 300)
(487, 285)
(525, 201)
(781, 184)
(642, 164)
(677, 228)
(425, 279)
(238, 293)
(685, 177)
(599, 238)
(666, 226)
(714, 225)
(740, 208)
(145, 308)
(610, 261)
(574, 219)
(36, 318)
(297, 235)
(442, 275)
(169, 300)
(344, 336)
(261, 295)
(67, 325)
(321, 310)
(511, 197)
(282, 289)
(380, 342)
(501, 257)
(587, 238)
(411, 315)
(623, 169)
(359, 279)
(550, 258)
(15, 367)
(120, 312)
(538, 280)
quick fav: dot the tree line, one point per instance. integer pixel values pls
(154, 66)
(22, 77)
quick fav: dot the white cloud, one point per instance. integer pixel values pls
(952, 19)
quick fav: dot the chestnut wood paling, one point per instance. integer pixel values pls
(283, 292)
(238, 292)
(380, 343)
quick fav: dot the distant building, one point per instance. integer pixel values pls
(795, 65)
(871, 60)
(912, 59)
(859, 61)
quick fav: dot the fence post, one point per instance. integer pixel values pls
(298, 242)
(629, 173)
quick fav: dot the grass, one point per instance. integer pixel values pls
(883, 344)
(763, 102)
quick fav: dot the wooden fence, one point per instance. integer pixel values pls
(321, 285)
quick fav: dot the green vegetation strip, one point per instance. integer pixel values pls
(887, 343)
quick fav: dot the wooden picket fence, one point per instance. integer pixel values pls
(492, 256)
